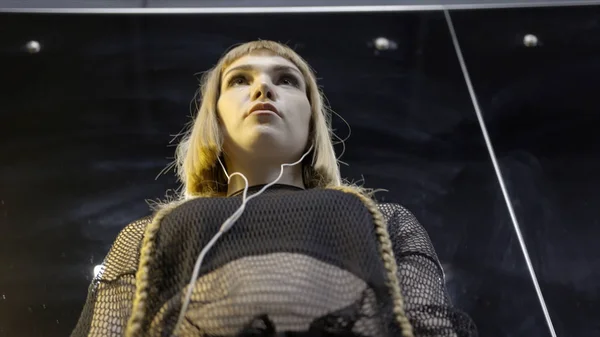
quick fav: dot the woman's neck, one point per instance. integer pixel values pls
(261, 174)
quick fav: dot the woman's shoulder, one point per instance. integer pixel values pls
(133, 234)
(390, 210)
(123, 256)
(400, 218)
(135, 229)
(406, 232)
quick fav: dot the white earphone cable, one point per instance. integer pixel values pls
(224, 228)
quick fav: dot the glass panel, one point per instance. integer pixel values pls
(90, 114)
(81, 141)
(535, 72)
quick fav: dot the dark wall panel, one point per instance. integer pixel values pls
(541, 107)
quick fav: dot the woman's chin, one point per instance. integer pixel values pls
(266, 134)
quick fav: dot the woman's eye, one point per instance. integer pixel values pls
(289, 80)
(237, 80)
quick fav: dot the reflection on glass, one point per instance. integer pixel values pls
(89, 116)
(534, 80)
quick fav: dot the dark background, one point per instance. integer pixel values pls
(86, 124)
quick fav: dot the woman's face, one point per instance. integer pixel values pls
(277, 84)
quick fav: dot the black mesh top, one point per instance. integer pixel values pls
(318, 262)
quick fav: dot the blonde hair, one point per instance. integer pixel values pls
(197, 154)
(198, 171)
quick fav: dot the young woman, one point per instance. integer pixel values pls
(266, 239)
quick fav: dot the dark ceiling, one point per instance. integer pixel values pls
(87, 121)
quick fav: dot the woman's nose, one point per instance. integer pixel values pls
(263, 90)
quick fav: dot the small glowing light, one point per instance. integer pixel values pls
(97, 270)
(383, 43)
(33, 47)
(530, 40)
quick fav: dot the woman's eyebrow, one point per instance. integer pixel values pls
(276, 68)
